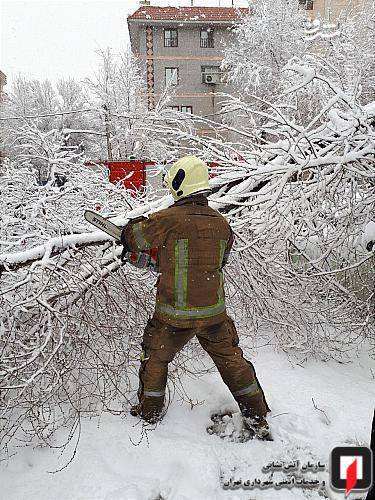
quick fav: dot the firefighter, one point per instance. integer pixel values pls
(193, 242)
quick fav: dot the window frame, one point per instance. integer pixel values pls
(187, 112)
(306, 4)
(210, 40)
(170, 38)
(177, 77)
(309, 5)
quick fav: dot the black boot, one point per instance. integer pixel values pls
(137, 411)
(259, 427)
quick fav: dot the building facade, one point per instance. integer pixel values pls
(3, 82)
(328, 10)
(183, 48)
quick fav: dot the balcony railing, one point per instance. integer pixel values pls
(207, 43)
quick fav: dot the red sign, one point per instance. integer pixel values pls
(132, 173)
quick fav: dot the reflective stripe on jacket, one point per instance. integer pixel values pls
(193, 243)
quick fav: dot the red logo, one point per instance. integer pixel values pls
(351, 477)
(351, 469)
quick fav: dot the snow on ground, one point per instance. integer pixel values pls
(181, 461)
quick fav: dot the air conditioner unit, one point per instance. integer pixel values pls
(211, 78)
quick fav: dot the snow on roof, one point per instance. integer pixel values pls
(223, 14)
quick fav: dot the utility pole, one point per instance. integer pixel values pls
(107, 132)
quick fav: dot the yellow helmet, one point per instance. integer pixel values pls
(187, 176)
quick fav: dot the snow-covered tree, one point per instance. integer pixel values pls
(117, 90)
(277, 34)
(348, 51)
(298, 198)
(47, 107)
(106, 116)
(31, 212)
(263, 43)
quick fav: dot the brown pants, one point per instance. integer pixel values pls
(161, 342)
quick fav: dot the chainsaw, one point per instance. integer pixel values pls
(146, 259)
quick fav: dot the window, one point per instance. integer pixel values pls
(187, 109)
(170, 38)
(171, 76)
(207, 38)
(174, 108)
(307, 4)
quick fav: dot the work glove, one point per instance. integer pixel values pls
(146, 259)
(143, 260)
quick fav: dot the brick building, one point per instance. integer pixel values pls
(183, 47)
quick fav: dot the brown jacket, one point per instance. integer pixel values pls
(193, 243)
